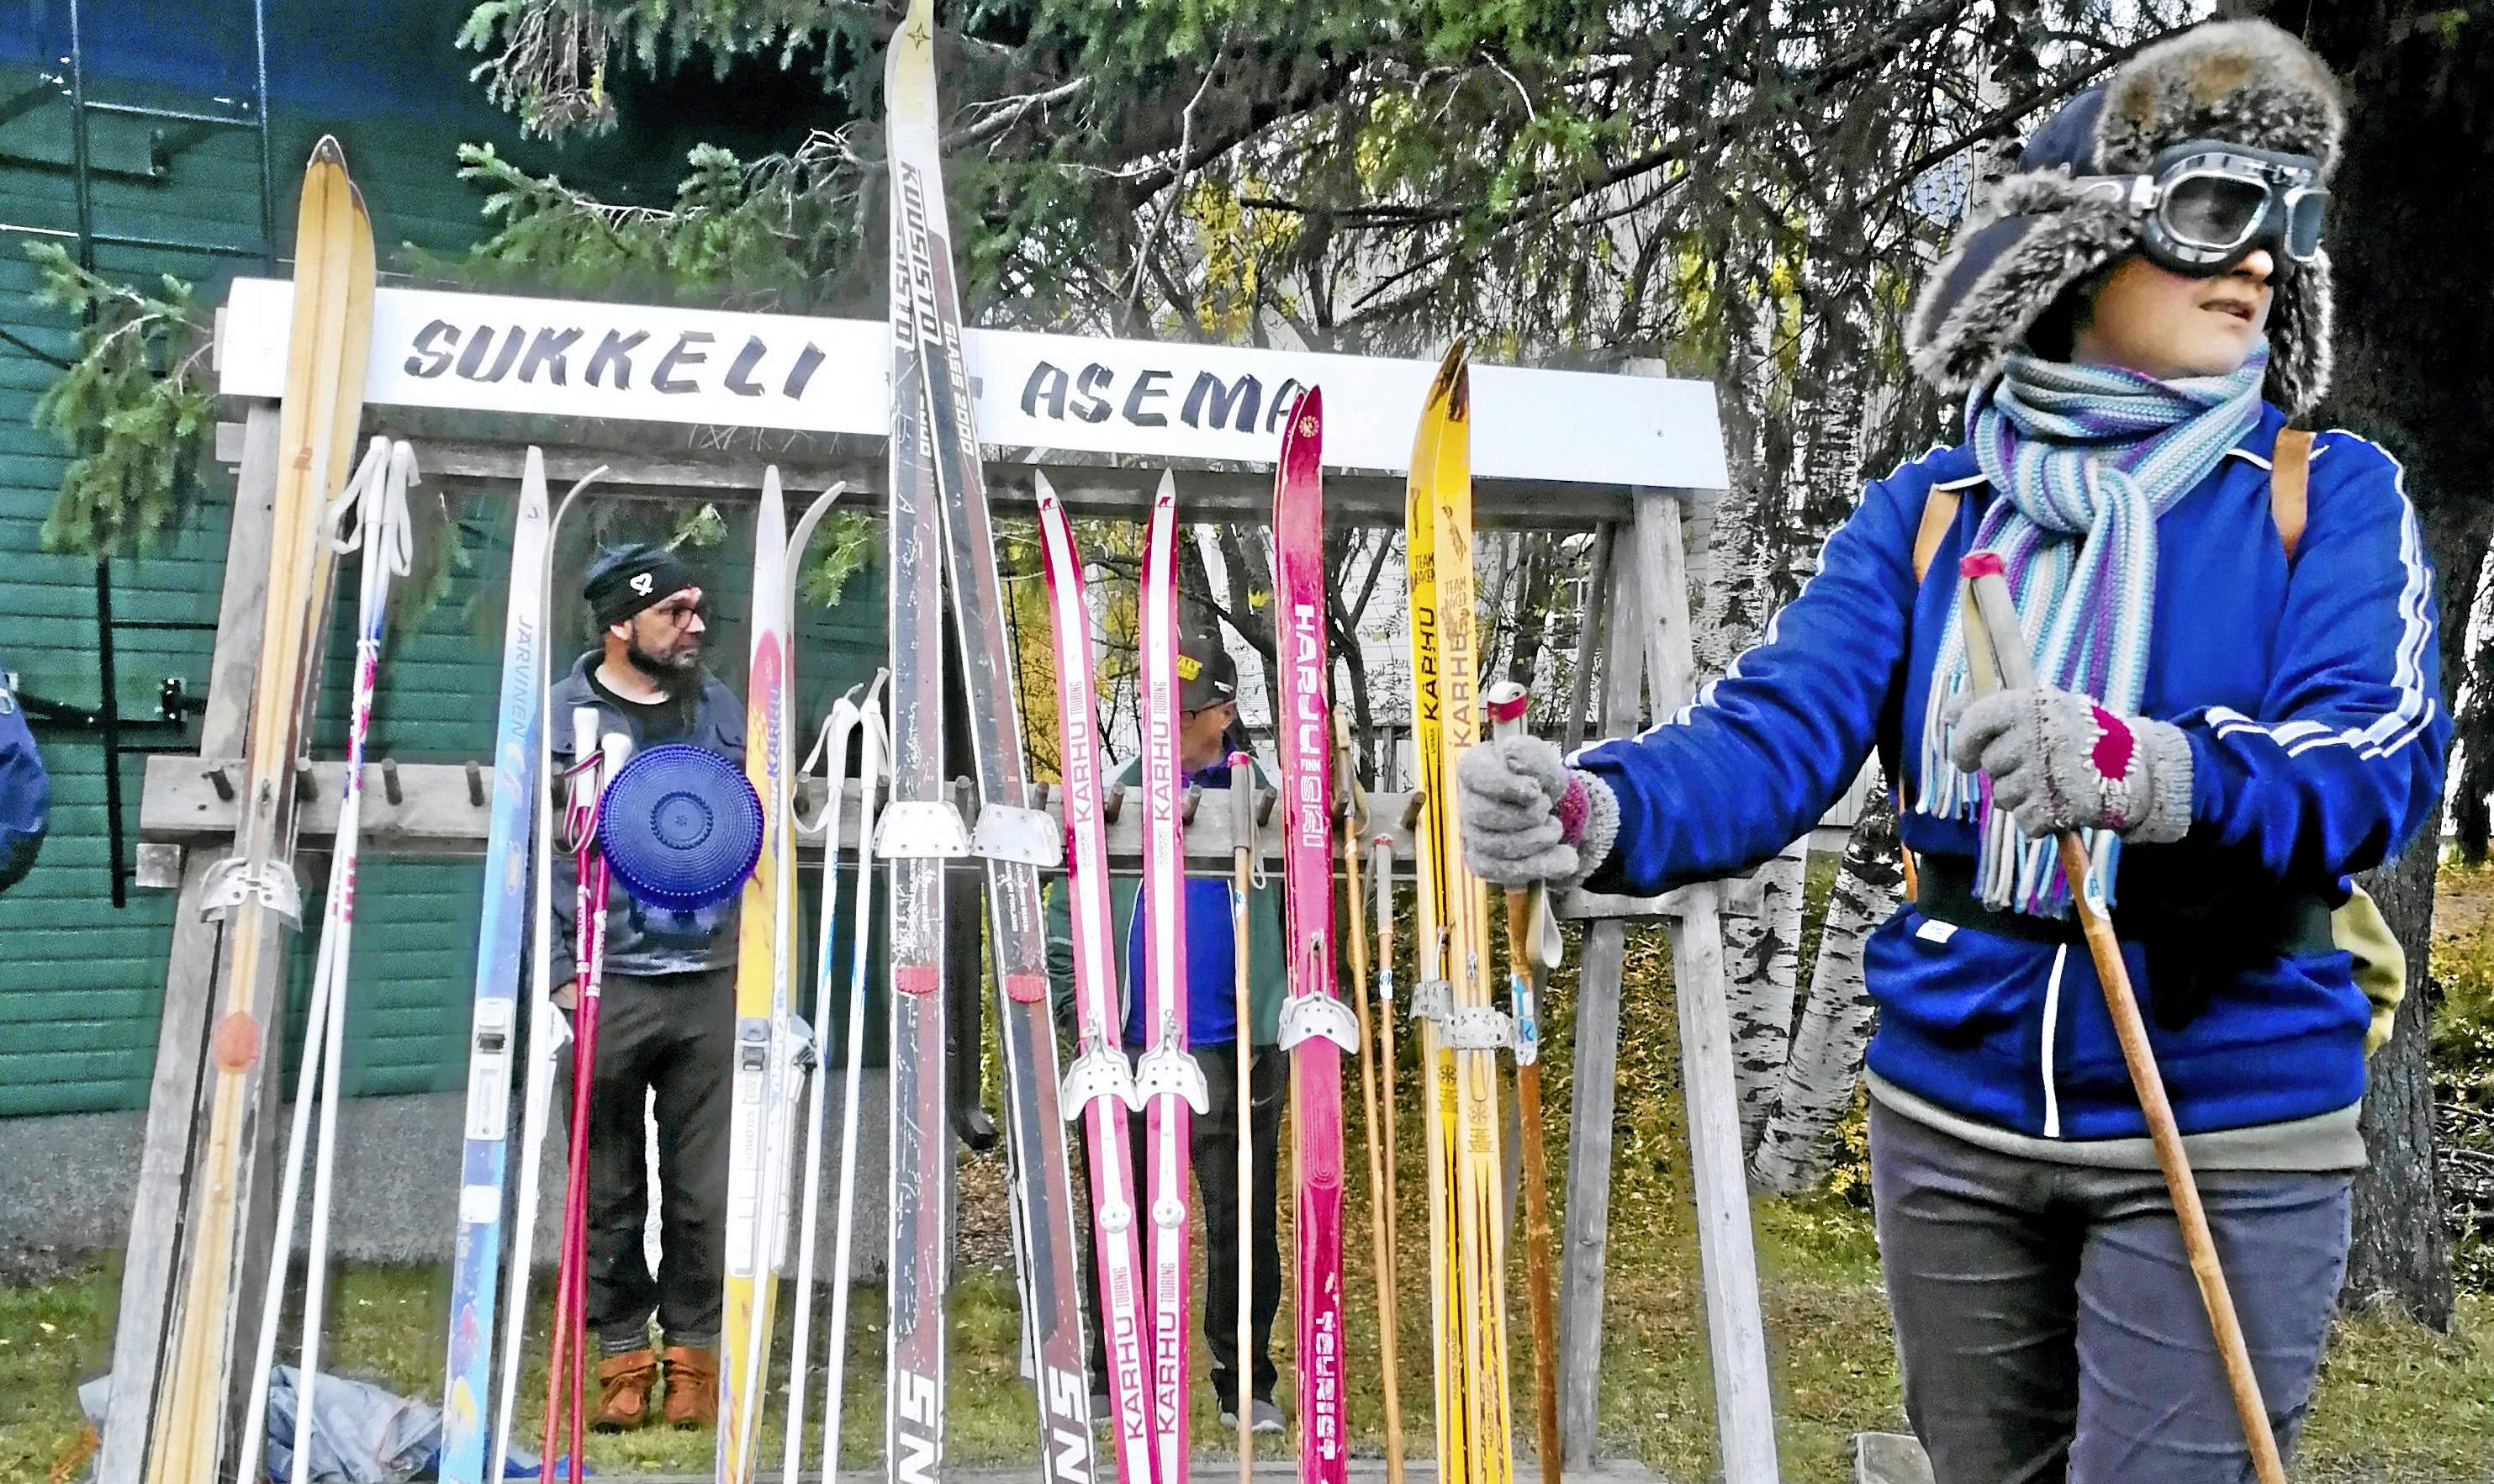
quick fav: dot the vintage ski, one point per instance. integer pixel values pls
(254, 889)
(502, 933)
(1317, 1027)
(1100, 1086)
(763, 992)
(548, 1034)
(1015, 840)
(1461, 1032)
(921, 828)
(1168, 1080)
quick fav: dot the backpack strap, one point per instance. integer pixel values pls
(2290, 477)
(1939, 512)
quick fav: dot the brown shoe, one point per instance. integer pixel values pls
(624, 1385)
(693, 1386)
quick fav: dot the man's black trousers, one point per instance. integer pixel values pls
(1215, 1156)
(673, 1037)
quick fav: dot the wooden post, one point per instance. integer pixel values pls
(1735, 1328)
(190, 983)
(1584, 1243)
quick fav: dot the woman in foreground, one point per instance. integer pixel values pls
(2237, 704)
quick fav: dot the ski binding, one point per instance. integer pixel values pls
(921, 829)
(1318, 1016)
(1022, 836)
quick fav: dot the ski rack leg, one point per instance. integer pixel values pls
(155, 1221)
(1735, 1327)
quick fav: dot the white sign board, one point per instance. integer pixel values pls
(1148, 399)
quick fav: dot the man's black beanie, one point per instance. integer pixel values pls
(624, 580)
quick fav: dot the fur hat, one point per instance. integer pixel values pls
(2240, 82)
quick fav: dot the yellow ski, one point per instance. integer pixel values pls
(254, 888)
(1460, 1035)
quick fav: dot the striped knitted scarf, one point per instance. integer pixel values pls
(2089, 457)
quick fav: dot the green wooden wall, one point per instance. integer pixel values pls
(80, 981)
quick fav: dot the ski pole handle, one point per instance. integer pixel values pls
(1531, 934)
(1242, 815)
(1997, 659)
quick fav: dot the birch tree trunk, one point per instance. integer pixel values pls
(1761, 963)
(1825, 1060)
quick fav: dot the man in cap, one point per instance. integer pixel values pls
(667, 1016)
(1207, 733)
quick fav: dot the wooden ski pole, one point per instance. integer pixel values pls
(1532, 948)
(1355, 819)
(1381, 873)
(1997, 659)
(1242, 866)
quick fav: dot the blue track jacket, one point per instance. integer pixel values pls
(2311, 695)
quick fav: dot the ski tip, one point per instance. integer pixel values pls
(1311, 404)
(1168, 487)
(1448, 385)
(328, 151)
(1042, 491)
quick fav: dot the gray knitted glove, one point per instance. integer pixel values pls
(1527, 817)
(2058, 760)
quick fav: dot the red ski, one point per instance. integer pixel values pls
(1316, 1027)
(1099, 1087)
(1168, 1080)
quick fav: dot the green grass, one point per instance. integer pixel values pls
(2396, 1403)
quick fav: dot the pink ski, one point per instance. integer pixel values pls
(1099, 1087)
(1167, 1081)
(1316, 1027)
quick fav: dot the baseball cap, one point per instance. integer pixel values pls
(1206, 675)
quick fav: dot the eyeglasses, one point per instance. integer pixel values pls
(2204, 205)
(680, 612)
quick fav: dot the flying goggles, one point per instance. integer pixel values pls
(2204, 205)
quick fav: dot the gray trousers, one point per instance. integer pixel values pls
(2046, 1320)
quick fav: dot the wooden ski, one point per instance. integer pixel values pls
(254, 889)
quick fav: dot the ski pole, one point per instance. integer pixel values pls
(1997, 659)
(1242, 856)
(1531, 945)
(569, 1344)
(1380, 870)
(832, 750)
(871, 750)
(1355, 819)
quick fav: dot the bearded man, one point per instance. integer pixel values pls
(667, 1021)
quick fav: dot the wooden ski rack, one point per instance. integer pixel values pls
(437, 809)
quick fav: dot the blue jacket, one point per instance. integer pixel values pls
(25, 791)
(2310, 693)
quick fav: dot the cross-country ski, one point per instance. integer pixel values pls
(494, 1033)
(1316, 1027)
